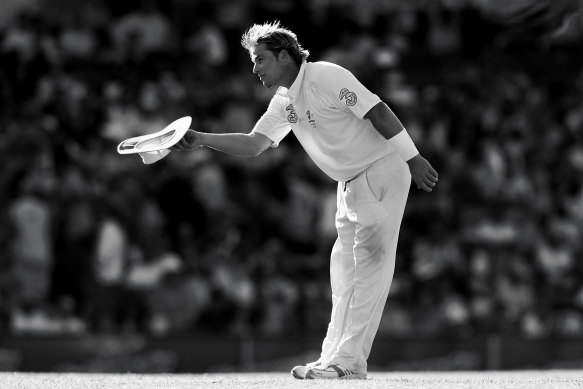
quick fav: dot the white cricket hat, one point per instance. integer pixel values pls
(154, 147)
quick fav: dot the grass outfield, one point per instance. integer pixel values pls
(376, 380)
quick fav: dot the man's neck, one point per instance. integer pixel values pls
(293, 74)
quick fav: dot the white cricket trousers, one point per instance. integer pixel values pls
(362, 263)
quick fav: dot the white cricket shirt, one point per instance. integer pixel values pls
(324, 108)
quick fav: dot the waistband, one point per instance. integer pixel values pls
(368, 167)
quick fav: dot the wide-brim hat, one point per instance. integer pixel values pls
(153, 147)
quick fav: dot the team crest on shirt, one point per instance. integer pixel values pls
(311, 119)
(349, 96)
(293, 116)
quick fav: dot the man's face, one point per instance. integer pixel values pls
(267, 66)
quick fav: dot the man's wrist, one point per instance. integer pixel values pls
(404, 145)
(413, 158)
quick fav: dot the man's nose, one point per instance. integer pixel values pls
(254, 68)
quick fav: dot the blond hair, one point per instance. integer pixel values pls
(276, 38)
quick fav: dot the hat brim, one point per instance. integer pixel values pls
(157, 141)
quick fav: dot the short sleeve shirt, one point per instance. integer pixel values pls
(325, 108)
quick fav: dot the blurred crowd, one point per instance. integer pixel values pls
(94, 241)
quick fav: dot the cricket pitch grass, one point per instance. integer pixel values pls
(376, 380)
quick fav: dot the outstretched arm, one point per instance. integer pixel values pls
(246, 145)
(389, 126)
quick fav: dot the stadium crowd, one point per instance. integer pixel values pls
(94, 241)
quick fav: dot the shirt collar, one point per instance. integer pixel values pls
(294, 89)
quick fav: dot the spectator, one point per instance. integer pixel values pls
(31, 252)
(143, 32)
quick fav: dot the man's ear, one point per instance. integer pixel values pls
(283, 55)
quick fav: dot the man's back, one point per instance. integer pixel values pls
(325, 109)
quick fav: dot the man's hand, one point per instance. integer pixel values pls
(191, 140)
(422, 173)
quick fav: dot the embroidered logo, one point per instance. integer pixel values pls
(350, 97)
(311, 119)
(292, 117)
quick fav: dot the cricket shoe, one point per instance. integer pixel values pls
(299, 372)
(333, 371)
